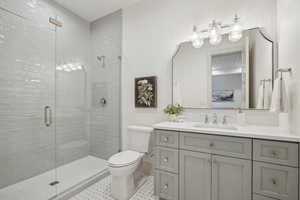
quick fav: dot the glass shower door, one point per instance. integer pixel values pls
(27, 134)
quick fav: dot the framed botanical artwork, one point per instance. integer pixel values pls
(146, 92)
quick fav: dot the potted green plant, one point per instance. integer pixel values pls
(173, 111)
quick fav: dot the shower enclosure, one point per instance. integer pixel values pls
(49, 109)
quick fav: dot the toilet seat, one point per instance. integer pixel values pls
(124, 158)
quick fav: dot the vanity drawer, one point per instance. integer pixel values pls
(166, 185)
(258, 197)
(283, 153)
(275, 181)
(228, 146)
(167, 159)
(167, 138)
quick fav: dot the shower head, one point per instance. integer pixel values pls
(101, 59)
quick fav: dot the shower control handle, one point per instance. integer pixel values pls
(103, 101)
(48, 116)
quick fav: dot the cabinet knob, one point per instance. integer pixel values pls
(166, 159)
(274, 153)
(274, 181)
(166, 186)
(166, 139)
(211, 144)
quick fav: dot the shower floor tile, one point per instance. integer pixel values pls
(101, 191)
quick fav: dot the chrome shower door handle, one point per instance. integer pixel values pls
(47, 116)
(50, 116)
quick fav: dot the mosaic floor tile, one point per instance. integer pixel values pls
(102, 191)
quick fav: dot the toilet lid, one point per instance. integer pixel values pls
(124, 158)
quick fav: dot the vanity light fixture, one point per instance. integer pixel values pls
(215, 30)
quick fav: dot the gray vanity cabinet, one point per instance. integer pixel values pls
(196, 166)
(195, 176)
(231, 178)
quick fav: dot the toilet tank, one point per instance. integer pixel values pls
(139, 138)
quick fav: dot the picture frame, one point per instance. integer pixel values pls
(146, 92)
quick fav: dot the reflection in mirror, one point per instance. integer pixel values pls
(227, 80)
(229, 75)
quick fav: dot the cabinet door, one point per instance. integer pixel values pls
(167, 159)
(195, 176)
(231, 178)
(220, 145)
(167, 138)
(282, 153)
(166, 185)
(275, 181)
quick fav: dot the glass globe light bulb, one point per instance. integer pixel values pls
(236, 32)
(215, 36)
(197, 41)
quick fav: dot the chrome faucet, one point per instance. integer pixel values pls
(206, 120)
(215, 119)
(224, 122)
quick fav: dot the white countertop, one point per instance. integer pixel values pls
(258, 132)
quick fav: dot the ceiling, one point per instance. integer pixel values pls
(91, 10)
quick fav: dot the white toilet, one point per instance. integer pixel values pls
(122, 165)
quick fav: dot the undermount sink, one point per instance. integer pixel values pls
(215, 126)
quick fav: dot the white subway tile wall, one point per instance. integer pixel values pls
(106, 37)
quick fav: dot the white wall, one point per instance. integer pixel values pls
(289, 48)
(153, 28)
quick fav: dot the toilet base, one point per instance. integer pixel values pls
(122, 187)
